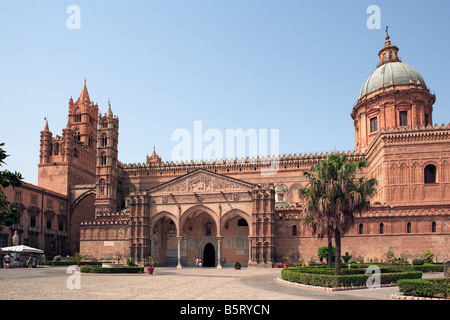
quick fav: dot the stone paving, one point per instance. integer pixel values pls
(54, 283)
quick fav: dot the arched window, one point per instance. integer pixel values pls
(294, 231)
(433, 226)
(381, 228)
(101, 187)
(390, 55)
(408, 227)
(280, 192)
(429, 174)
(361, 228)
(77, 115)
(242, 223)
(208, 228)
(104, 141)
(103, 159)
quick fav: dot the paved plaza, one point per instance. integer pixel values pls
(49, 283)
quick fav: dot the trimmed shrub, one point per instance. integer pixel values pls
(428, 267)
(418, 262)
(92, 269)
(432, 288)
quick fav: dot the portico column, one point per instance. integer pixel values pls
(219, 252)
(249, 250)
(179, 252)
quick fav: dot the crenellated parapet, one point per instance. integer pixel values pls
(406, 212)
(410, 135)
(108, 218)
(258, 164)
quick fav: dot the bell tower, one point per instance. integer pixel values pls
(83, 120)
(69, 159)
(107, 154)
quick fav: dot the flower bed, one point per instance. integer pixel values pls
(349, 277)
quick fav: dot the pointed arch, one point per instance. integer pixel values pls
(294, 192)
(195, 210)
(236, 213)
(161, 215)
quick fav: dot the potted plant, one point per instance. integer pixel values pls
(237, 265)
(151, 265)
(285, 262)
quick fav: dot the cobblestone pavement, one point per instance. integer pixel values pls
(48, 283)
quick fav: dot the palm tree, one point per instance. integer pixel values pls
(315, 214)
(336, 196)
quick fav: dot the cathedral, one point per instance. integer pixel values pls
(221, 211)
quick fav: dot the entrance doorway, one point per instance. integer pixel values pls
(209, 255)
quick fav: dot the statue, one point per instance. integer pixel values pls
(15, 239)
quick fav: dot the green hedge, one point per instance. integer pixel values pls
(350, 271)
(432, 288)
(92, 269)
(427, 267)
(70, 263)
(324, 279)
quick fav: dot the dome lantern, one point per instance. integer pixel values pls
(389, 53)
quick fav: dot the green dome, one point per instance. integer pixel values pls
(280, 188)
(393, 73)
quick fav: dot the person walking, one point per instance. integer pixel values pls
(29, 261)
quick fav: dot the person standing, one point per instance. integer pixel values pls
(7, 260)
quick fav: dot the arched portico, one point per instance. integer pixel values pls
(209, 212)
(164, 228)
(200, 225)
(182, 241)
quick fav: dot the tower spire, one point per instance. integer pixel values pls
(84, 93)
(46, 128)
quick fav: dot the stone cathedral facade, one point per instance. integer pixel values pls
(221, 212)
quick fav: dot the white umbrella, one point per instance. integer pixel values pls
(22, 248)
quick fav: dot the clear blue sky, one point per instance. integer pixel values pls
(296, 66)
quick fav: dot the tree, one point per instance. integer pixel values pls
(8, 213)
(336, 196)
(323, 253)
